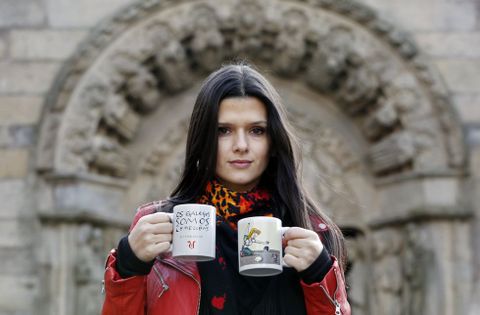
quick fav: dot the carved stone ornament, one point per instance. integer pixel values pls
(290, 46)
(207, 43)
(373, 71)
(90, 255)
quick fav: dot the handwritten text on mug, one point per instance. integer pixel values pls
(192, 220)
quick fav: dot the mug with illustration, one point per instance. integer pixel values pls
(260, 246)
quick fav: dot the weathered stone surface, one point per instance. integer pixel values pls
(461, 75)
(428, 15)
(87, 196)
(17, 136)
(17, 260)
(21, 13)
(442, 192)
(13, 190)
(4, 137)
(3, 47)
(13, 233)
(207, 41)
(13, 163)
(474, 188)
(119, 116)
(65, 13)
(44, 44)
(408, 197)
(473, 138)
(394, 151)
(468, 106)
(20, 110)
(21, 136)
(448, 44)
(28, 78)
(109, 156)
(18, 294)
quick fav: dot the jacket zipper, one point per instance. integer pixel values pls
(189, 275)
(335, 303)
(164, 285)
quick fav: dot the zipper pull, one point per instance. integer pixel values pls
(337, 308)
(103, 287)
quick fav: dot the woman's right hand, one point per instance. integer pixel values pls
(151, 236)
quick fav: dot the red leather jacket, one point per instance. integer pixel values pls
(173, 287)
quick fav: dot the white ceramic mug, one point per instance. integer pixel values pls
(193, 232)
(260, 250)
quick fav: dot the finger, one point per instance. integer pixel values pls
(161, 238)
(295, 262)
(299, 233)
(159, 248)
(303, 242)
(157, 217)
(161, 228)
(294, 251)
(306, 253)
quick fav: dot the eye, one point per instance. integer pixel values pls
(223, 130)
(258, 131)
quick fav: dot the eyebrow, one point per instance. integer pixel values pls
(260, 122)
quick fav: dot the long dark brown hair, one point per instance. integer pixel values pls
(282, 173)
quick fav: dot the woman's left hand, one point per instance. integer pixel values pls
(302, 248)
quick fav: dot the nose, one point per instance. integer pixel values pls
(240, 143)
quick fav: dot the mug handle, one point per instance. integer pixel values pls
(284, 229)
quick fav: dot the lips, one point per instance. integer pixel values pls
(240, 163)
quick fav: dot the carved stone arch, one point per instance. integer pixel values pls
(374, 118)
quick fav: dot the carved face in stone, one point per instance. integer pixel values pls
(243, 142)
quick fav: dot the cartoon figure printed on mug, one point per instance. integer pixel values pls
(238, 234)
(249, 239)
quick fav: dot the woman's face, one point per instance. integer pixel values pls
(243, 142)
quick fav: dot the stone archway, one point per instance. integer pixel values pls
(374, 120)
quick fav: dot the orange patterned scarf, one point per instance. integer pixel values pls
(233, 206)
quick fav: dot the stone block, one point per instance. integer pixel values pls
(398, 198)
(448, 44)
(17, 136)
(14, 233)
(468, 106)
(3, 47)
(17, 260)
(44, 44)
(21, 13)
(441, 192)
(20, 110)
(13, 163)
(402, 198)
(4, 137)
(28, 78)
(87, 196)
(427, 15)
(461, 75)
(18, 294)
(473, 140)
(15, 191)
(22, 136)
(85, 13)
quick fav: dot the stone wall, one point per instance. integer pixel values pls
(37, 37)
(448, 31)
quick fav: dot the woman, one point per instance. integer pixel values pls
(251, 170)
